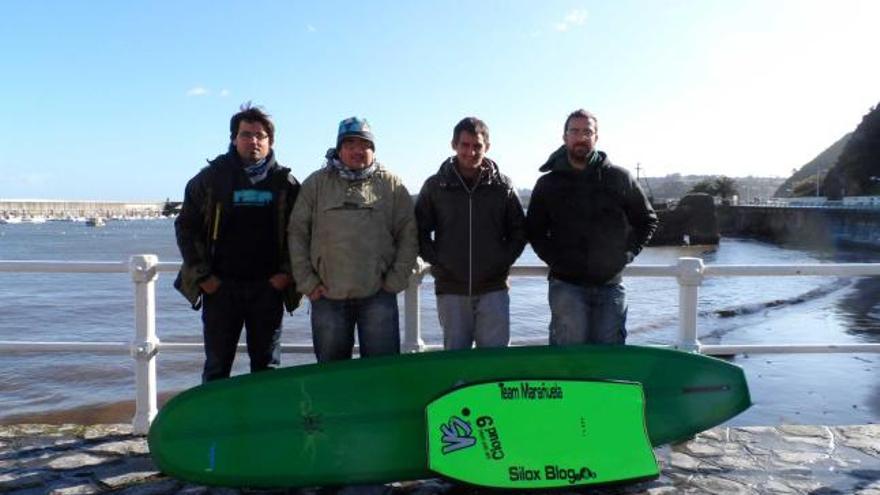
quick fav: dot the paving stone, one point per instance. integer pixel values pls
(777, 488)
(661, 490)
(17, 481)
(700, 449)
(163, 487)
(121, 447)
(802, 457)
(721, 486)
(81, 488)
(40, 490)
(76, 460)
(803, 430)
(99, 431)
(738, 462)
(679, 460)
(128, 478)
(751, 435)
(194, 490)
(715, 434)
(139, 464)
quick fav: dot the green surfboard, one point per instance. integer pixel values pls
(541, 434)
(363, 420)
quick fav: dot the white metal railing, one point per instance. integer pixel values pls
(144, 269)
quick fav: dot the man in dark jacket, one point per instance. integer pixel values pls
(587, 220)
(231, 235)
(471, 230)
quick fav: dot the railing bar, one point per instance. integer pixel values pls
(716, 349)
(836, 269)
(25, 346)
(63, 266)
(638, 270)
(242, 348)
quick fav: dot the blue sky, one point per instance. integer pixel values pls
(125, 100)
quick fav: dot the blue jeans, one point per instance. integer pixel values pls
(376, 318)
(252, 304)
(587, 315)
(484, 319)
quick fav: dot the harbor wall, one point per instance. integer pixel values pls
(808, 226)
(63, 208)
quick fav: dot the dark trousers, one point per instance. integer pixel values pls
(256, 306)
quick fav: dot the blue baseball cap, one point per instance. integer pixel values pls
(355, 127)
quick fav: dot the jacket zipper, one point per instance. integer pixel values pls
(471, 243)
(470, 193)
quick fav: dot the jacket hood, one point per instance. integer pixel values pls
(450, 175)
(558, 161)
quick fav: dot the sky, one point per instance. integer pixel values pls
(126, 100)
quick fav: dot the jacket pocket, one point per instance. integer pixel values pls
(186, 284)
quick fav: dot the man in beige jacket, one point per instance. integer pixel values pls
(353, 246)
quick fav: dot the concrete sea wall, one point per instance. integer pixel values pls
(809, 226)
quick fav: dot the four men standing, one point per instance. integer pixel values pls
(353, 240)
(471, 231)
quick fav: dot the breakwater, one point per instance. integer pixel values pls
(64, 209)
(817, 227)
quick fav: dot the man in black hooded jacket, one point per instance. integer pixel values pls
(231, 232)
(587, 219)
(471, 230)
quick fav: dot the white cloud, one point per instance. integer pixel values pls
(224, 92)
(197, 91)
(311, 29)
(577, 17)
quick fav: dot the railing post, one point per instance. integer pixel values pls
(412, 323)
(690, 276)
(145, 344)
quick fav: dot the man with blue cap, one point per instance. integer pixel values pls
(353, 247)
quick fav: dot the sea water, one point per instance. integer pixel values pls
(813, 388)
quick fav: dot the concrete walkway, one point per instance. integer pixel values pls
(76, 459)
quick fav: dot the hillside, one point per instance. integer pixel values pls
(857, 172)
(803, 182)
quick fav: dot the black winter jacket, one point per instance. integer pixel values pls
(587, 225)
(206, 204)
(471, 237)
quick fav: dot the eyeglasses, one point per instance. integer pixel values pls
(580, 132)
(247, 136)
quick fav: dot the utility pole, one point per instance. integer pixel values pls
(639, 181)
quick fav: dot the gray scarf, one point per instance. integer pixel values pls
(346, 173)
(257, 171)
